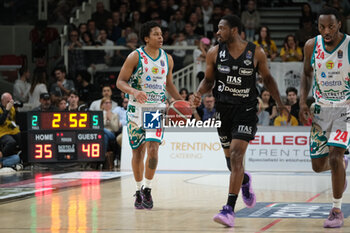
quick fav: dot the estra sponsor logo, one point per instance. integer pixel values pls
(286, 140)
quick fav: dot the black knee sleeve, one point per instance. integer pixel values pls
(228, 163)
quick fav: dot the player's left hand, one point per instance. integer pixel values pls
(195, 101)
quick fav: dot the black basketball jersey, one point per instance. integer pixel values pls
(235, 78)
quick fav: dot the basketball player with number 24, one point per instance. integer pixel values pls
(146, 75)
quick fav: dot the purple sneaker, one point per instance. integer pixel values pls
(147, 201)
(226, 216)
(335, 219)
(248, 194)
(138, 200)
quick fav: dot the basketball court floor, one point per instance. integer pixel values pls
(77, 202)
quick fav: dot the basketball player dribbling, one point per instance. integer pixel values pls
(231, 73)
(326, 66)
(146, 75)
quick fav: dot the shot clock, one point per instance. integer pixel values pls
(65, 136)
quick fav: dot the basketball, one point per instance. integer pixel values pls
(179, 110)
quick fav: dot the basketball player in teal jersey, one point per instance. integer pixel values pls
(145, 76)
(326, 66)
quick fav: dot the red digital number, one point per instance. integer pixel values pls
(341, 135)
(43, 151)
(91, 149)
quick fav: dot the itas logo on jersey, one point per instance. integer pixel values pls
(247, 62)
(323, 75)
(152, 119)
(330, 65)
(233, 80)
(148, 78)
(245, 129)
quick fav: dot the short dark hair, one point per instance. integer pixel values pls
(60, 68)
(330, 11)
(291, 89)
(84, 75)
(146, 29)
(233, 21)
(73, 92)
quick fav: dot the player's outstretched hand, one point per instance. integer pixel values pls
(195, 101)
(304, 114)
(140, 96)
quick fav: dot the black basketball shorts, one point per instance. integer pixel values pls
(237, 122)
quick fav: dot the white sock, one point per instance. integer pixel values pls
(148, 183)
(138, 185)
(337, 203)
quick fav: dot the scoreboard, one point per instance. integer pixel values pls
(65, 136)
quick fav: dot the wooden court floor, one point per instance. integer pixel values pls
(183, 202)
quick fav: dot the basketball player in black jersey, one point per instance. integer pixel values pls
(231, 75)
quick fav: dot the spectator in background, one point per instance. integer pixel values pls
(165, 11)
(263, 116)
(101, 15)
(111, 126)
(155, 17)
(62, 104)
(282, 119)
(268, 104)
(62, 86)
(197, 24)
(21, 87)
(184, 93)
(306, 13)
(209, 108)
(37, 87)
(124, 15)
(73, 101)
(121, 111)
(113, 31)
(216, 17)
(86, 90)
(292, 100)
(191, 37)
(179, 54)
(136, 21)
(76, 57)
(82, 28)
(167, 40)
(199, 56)
(45, 103)
(207, 10)
(91, 28)
(177, 24)
(109, 53)
(95, 59)
(106, 93)
(250, 20)
(265, 42)
(307, 32)
(290, 51)
(10, 135)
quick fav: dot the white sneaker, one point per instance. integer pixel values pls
(6, 171)
(18, 167)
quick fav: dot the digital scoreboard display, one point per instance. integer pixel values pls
(65, 136)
